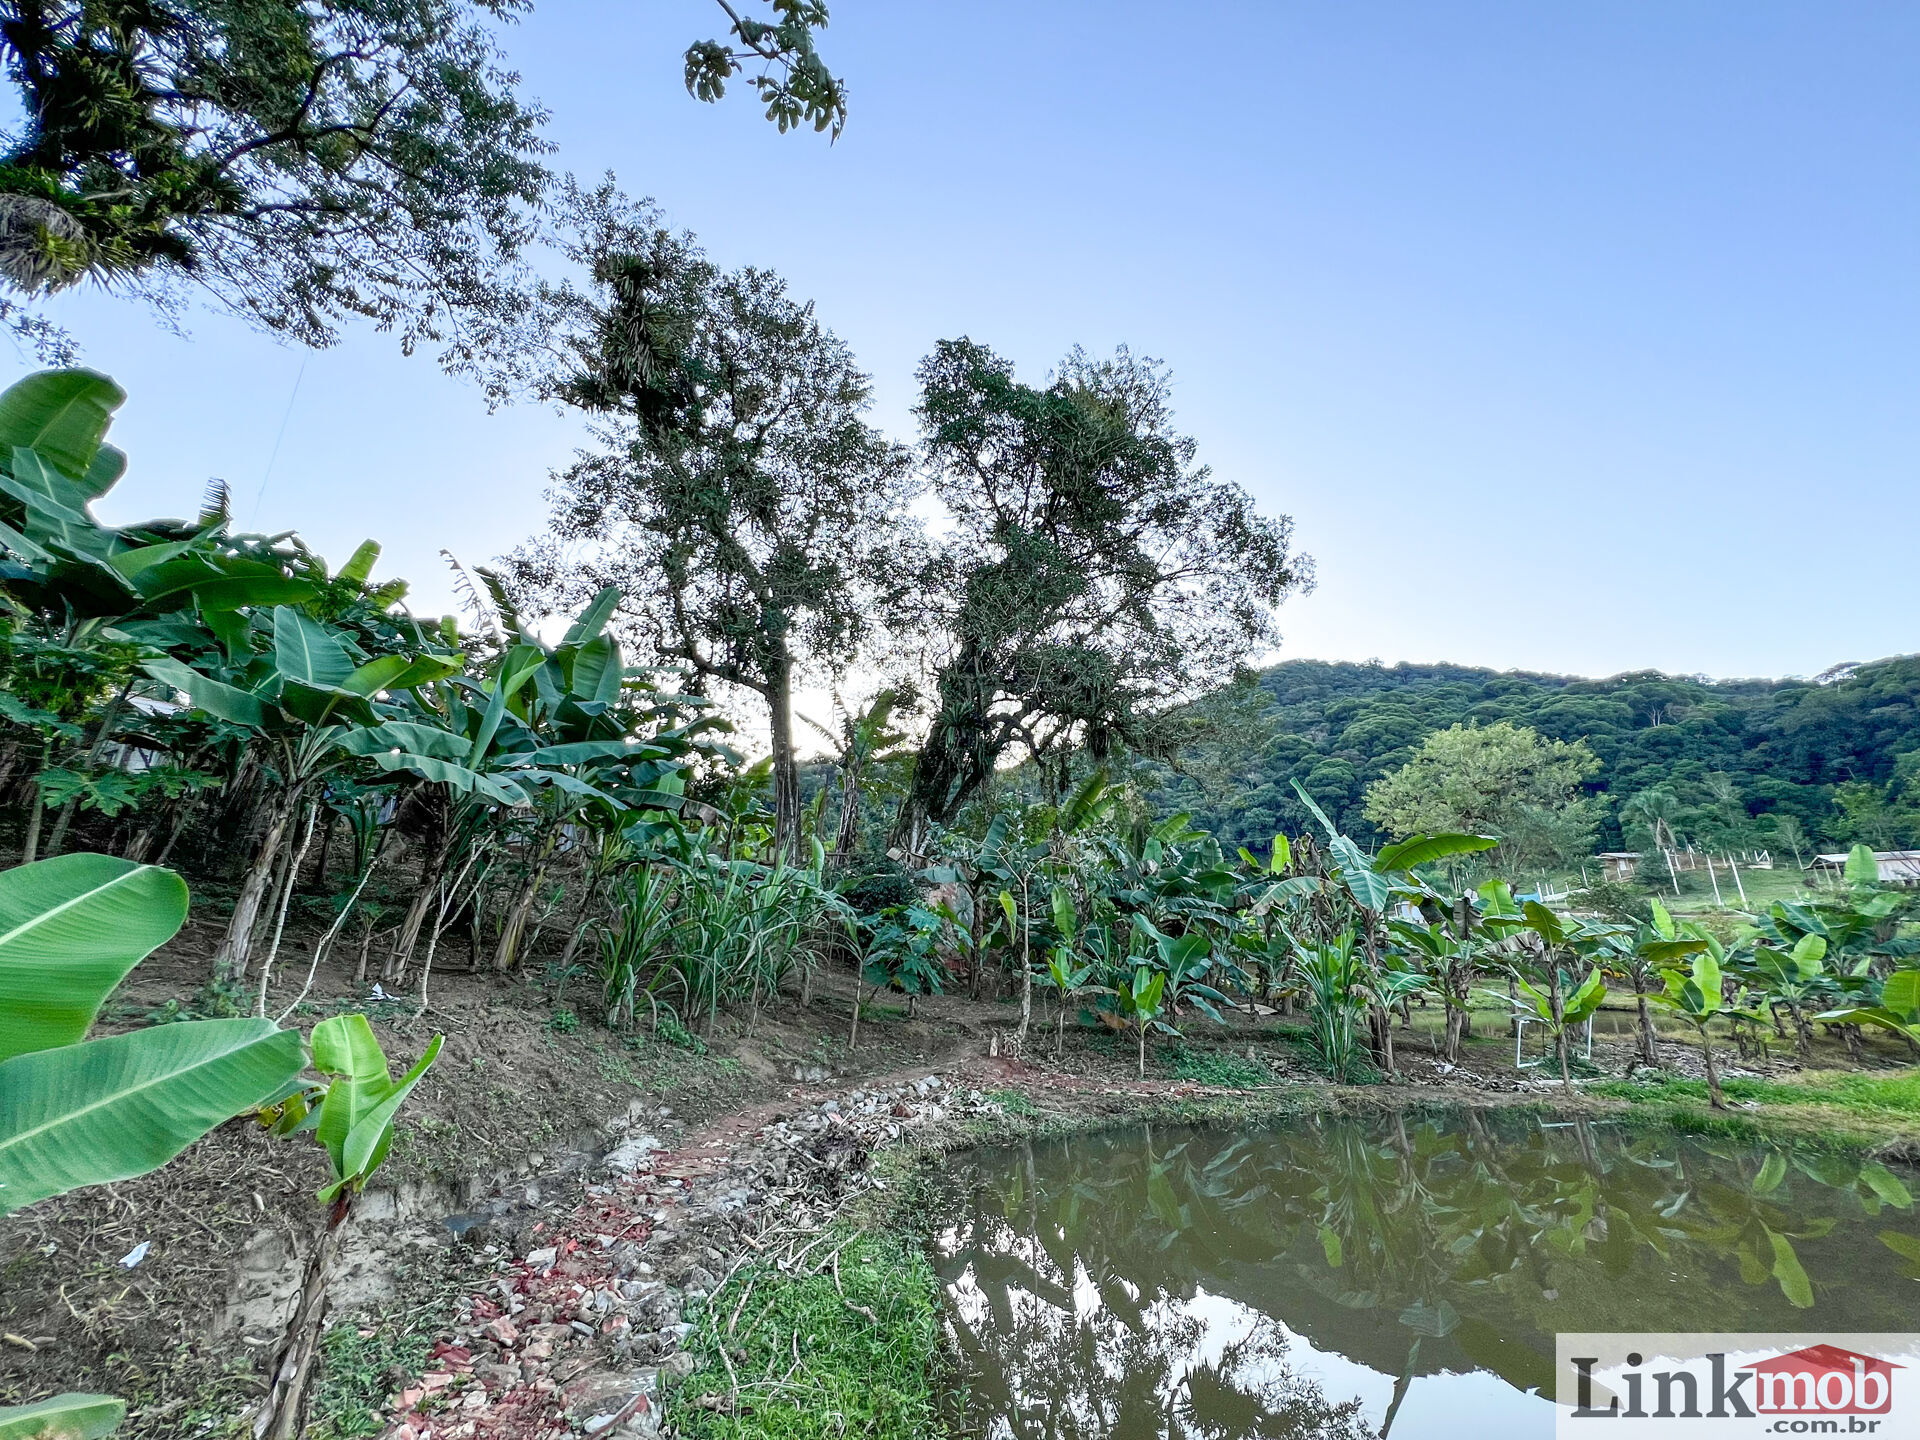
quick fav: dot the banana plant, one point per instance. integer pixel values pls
(1695, 995)
(1066, 973)
(352, 1115)
(1138, 996)
(1184, 959)
(1560, 1015)
(74, 1111)
(1639, 957)
(308, 694)
(1897, 1010)
(1794, 978)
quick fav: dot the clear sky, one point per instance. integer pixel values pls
(1577, 338)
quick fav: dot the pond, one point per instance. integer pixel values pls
(1400, 1275)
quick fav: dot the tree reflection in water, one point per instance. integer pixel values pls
(1159, 1282)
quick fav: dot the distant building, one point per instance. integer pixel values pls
(1897, 867)
(1619, 866)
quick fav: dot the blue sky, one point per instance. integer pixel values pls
(1579, 338)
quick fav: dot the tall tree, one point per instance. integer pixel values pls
(1093, 575)
(1501, 779)
(306, 163)
(738, 497)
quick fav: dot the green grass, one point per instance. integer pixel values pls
(855, 1375)
(1878, 1096)
(1014, 1102)
(1222, 1068)
(354, 1381)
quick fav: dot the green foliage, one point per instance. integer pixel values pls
(742, 503)
(792, 82)
(352, 1114)
(64, 1417)
(1221, 1068)
(867, 1334)
(1885, 1096)
(692, 931)
(286, 167)
(1065, 590)
(1780, 745)
(1501, 779)
(358, 1377)
(77, 1112)
(364, 159)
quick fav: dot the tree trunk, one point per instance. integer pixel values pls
(326, 852)
(1713, 1076)
(86, 766)
(424, 899)
(1559, 1020)
(506, 954)
(230, 960)
(30, 847)
(1802, 1031)
(847, 837)
(284, 1413)
(786, 767)
(1647, 1040)
(1026, 972)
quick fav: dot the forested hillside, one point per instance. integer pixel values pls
(1840, 758)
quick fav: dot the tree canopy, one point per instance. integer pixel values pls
(1093, 576)
(738, 497)
(1500, 779)
(1782, 749)
(306, 164)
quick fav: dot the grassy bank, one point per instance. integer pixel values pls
(1846, 1109)
(844, 1342)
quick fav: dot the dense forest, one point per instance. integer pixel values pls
(1840, 756)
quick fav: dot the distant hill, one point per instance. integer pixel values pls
(1785, 747)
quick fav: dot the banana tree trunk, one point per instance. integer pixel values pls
(424, 899)
(283, 1415)
(1713, 1075)
(507, 953)
(847, 837)
(1648, 1052)
(1559, 1020)
(230, 960)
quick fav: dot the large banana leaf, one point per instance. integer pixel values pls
(455, 776)
(359, 566)
(48, 494)
(70, 930)
(64, 414)
(1424, 849)
(115, 1108)
(217, 698)
(305, 651)
(408, 736)
(593, 619)
(65, 1417)
(356, 1117)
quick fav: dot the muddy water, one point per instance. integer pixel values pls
(1394, 1275)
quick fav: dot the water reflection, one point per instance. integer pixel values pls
(1342, 1278)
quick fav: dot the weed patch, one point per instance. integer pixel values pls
(1221, 1068)
(849, 1350)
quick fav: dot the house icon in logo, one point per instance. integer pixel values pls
(1823, 1380)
